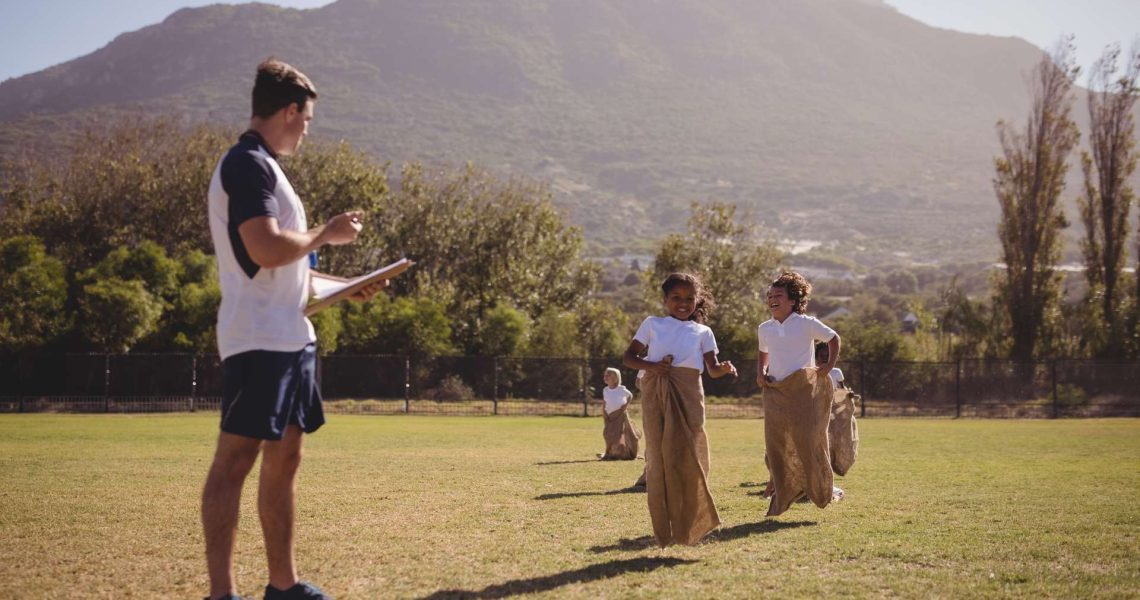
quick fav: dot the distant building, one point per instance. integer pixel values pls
(838, 313)
(910, 323)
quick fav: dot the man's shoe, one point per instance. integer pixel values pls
(303, 590)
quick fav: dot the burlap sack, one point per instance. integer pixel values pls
(797, 412)
(677, 457)
(843, 432)
(621, 438)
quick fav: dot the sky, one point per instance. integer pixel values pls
(36, 34)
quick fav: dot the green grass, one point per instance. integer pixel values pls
(102, 506)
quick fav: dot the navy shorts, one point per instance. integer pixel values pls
(267, 391)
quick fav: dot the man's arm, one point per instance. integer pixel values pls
(269, 246)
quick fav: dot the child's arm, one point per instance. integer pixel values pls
(632, 359)
(832, 354)
(716, 368)
(762, 368)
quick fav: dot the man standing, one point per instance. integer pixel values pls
(262, 241)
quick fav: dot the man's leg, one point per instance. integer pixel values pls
(276, 505)
(221, 501)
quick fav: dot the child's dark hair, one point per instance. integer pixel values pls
(704, 305)
(797, 288)
(821, 347)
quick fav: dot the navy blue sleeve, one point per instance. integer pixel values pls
(249, 182)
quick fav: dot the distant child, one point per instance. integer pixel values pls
(822, 352)
(677, 348)
(619, 434)
(797, 395)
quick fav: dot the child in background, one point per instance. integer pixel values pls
(798, 396)
(619, 434)
(677, 348)
(821, 355)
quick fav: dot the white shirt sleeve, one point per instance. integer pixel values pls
(836, 374)
(708, 342)
(644, 332)
(629, 394)
(821, 332)
(760, 338)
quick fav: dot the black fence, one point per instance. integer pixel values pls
(474, 385)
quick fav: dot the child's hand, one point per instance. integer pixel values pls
(662, 367)
(727, 368)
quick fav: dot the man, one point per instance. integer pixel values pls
(262, 241)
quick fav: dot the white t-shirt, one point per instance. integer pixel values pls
(687, 341)
(836, 377)
(261, 309)
(616, 397)
(791, 345)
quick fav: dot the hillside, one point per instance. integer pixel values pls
(838, 120)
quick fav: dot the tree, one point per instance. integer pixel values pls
(1030, 176)
(1107, 199)
(504, 331)
(414, 326)
(33, 295)
(735, 264)
(191, 323)
(118, 186)
(479, 242)
(115, 314)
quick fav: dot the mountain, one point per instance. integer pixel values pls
(834, 120)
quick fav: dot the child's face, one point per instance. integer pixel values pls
(821, 356)
(779, 303)
(609, 379)
(681, 301)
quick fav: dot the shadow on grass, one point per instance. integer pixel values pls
(746, 529)
(628, 490)
(546, 583)
(721, 535)
(566, 462)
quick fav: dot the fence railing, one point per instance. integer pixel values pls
(564, 386)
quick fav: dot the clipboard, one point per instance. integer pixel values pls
(337, 292)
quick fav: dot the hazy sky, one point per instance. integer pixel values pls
(36, 34)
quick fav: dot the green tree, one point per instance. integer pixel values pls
(556, 334)
(404, 325)
(33, 295)
(504, 331)
(115, 314)
(1107, 200)
(1029, 180)
(734, 262)
(191, 323)
(479, 242)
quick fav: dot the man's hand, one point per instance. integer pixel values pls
(343, 228)
(367, 292)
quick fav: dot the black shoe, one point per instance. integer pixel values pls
(301, 591)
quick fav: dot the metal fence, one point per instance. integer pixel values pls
(475, 385)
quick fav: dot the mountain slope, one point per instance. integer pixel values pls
(823, 119)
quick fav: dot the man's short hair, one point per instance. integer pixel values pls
(279, 84)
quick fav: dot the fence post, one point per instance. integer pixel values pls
(585, 389)
(193, 380)
(1054, 377)
(863, 390)
(407, 383)
(958, 388)
(20, 381)
(495, 385)
(106, 383)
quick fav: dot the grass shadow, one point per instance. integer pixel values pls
(746, 529)
(626, 545)
(566, 462)
(546, 583)
(555, 496)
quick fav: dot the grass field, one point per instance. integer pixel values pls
(489, 507)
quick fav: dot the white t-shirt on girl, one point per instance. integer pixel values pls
(687, 341)
(616, 397)
(836, 377)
